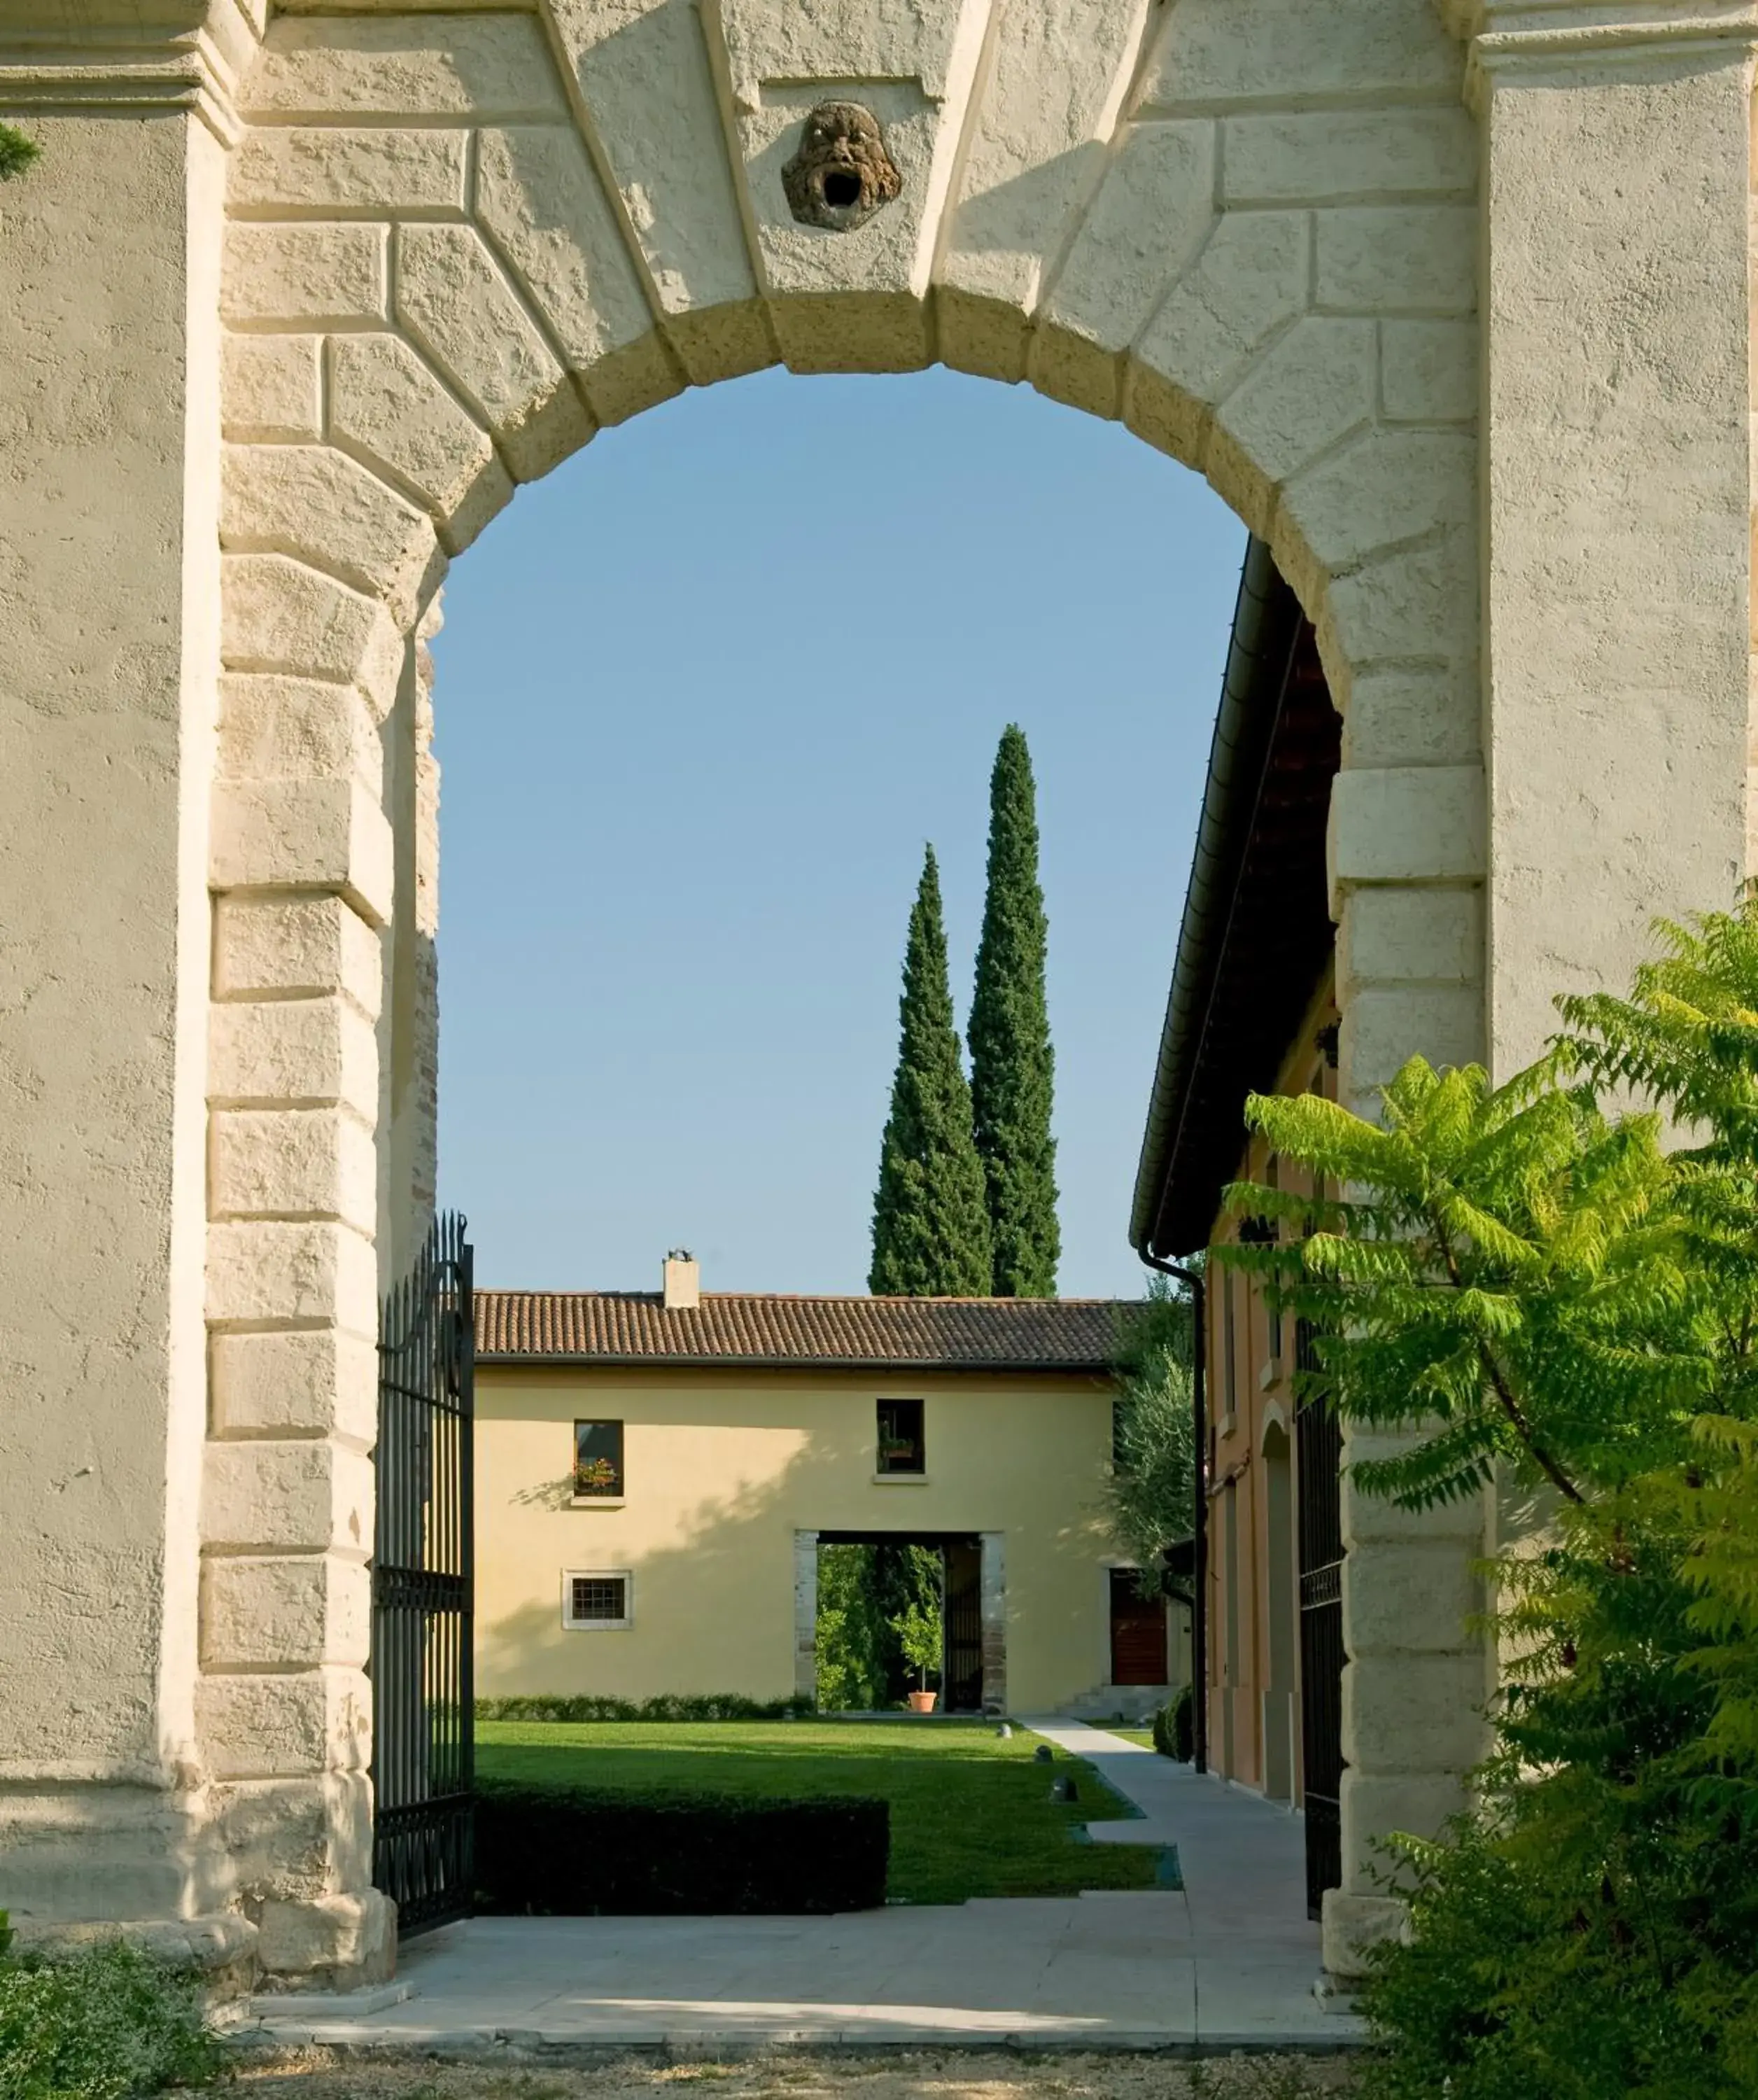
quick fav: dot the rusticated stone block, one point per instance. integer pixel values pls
(1415, 1713)
(1349, 156)
(1409, 1597)
(1354, 1926)
(1251, 279)
(408, 63)
(318, 275)
(1383, 490)
(1391, 935)
(454, 300)
(1384, 1027)
(385, 404)
(275, 727)
(281, 615)
(1412, 824)
(285, 1726)
(288, 1162)
(311, 1496)
(538, 197)
(1113, 278)
(1412, 717)
(1214, 54)
(292, 1052)
(295, 945)
(347, 1940)
(1429, 371)
(315, 503)
(270, 388)
(1304, 395)
(304, 834)
(285, 1612)
(1397, 259)
(271, 1271)
(289, 1840)
(299, 1381)
(1408, 1804)
(287, 170)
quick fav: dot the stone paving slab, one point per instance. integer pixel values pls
(1228, 1961)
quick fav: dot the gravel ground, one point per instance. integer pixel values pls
(322, 2075)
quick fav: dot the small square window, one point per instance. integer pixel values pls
(597, 1460)
(901, 1446)
(597, 1600)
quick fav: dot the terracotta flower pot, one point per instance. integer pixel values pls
(922, 1702)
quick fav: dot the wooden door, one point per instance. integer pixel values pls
(1137, 1633)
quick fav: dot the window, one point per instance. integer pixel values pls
(901, 1449)
(596, 1601)
(597, 1461)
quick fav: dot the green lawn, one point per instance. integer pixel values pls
(1144, 1736)
(970, 1813)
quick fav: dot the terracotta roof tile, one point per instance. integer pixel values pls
(736, 1327)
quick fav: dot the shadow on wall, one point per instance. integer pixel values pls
(714, 1601)
(726, 1585)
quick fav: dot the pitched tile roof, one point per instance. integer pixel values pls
(1073, 1334)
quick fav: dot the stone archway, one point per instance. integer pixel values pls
(365, 272)
(458, 244)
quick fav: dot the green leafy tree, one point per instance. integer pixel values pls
(853, 1639)
(920, 1630)
(16, 153)
(1013, 1065)
(929, 1224)
(1525, 1287)
(1149, 1491)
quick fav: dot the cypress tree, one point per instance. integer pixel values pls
(1012, 1066)
(930, 1227)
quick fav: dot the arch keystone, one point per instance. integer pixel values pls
(1057, 74)
(911, 70)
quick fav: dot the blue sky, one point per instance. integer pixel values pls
(703, 694)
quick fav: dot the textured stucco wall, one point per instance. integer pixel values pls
(109, 606)
(723, 1469)
(457, 243)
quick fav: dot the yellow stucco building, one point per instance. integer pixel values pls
(656, 1473)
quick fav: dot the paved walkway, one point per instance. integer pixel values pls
(1228, 1961)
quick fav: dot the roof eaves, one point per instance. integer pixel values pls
(604, 1360)
(1267, 621)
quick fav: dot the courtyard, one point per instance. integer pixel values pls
(1228, 1960)
(971, 1815)
(322, 2075)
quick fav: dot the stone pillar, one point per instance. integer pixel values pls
(1616, 473)
(109, 611)
(994, 1581)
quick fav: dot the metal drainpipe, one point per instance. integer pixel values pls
(1199, 1607)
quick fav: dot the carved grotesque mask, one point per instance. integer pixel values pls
(842, 174)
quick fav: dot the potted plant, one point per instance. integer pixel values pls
(594, 1477)
(920, 1636)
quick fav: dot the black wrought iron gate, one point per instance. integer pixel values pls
(423, 1740)
(1320, 1439)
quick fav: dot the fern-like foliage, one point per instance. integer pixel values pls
(1506, 1274)
(16, 153)
(1531, 1284)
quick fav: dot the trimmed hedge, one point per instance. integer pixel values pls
(564, 1852)
(705, 1706)
(1175, 1727)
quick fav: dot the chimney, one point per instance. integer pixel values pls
(682, 1289)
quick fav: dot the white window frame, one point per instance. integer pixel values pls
(570, 1576)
